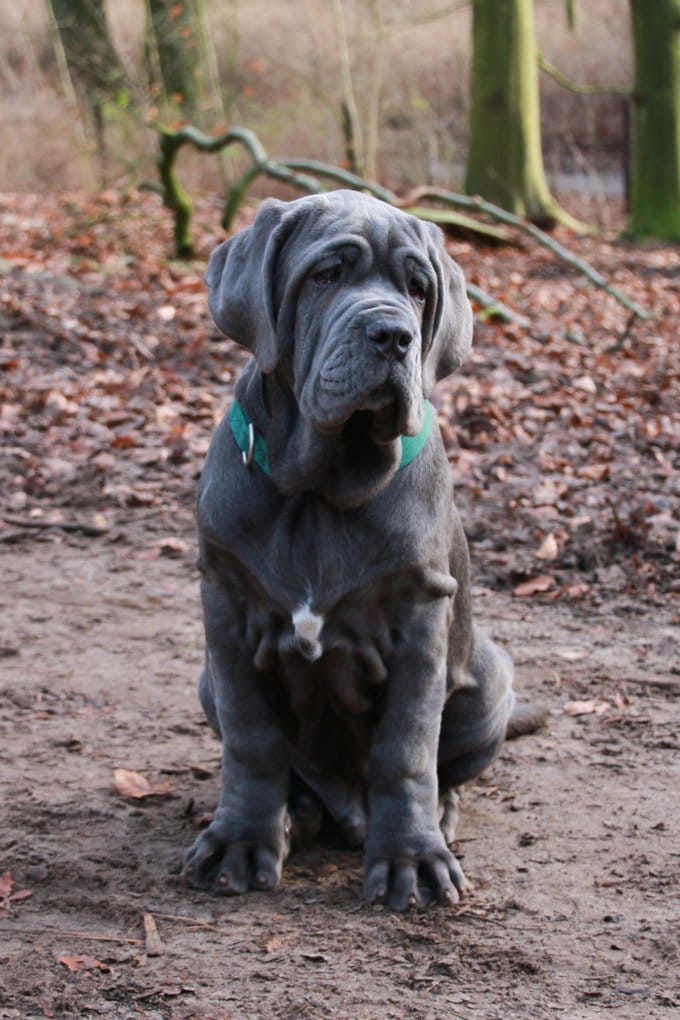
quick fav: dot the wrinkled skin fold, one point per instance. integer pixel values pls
(342, 665)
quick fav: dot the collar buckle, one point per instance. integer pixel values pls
(248, 454)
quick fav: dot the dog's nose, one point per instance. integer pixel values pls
(391, 341)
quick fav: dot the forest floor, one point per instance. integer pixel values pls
(563, 439)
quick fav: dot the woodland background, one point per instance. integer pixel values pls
(280, 75)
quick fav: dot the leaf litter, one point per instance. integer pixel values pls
(563, 441)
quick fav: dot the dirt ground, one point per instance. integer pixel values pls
(571, 841)
(563, 439)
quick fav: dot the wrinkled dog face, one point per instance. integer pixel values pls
(358, 330)
(356, 304)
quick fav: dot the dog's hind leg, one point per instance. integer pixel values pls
(475, 717)
(207, 699)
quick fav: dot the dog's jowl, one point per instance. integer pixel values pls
(342, 668)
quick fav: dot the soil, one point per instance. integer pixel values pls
(563, 439)
(570, 840)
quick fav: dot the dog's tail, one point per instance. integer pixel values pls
(525, 719)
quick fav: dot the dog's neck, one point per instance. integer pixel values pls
(346, 468)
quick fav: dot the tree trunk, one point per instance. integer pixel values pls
(176, 30)
(505, 161)
(92, 68)
(92, 60)
(655, 196)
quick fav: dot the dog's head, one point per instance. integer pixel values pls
(356, 305)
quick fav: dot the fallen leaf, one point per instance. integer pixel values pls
(594, 706)
(7, 896)
(172, 546)
(571, 654)
(135, 785)
(78, 963)
(23, 894)
(548, 549)
(585, 383)
(535, 585)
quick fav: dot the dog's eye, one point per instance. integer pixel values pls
(416, 289)
(328, 275)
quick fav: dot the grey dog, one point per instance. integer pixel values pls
(341, 658)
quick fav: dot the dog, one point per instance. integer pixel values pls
(342, 664)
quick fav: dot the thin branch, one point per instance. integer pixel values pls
(581, 90)
(493, 308)
(64, 932)
(286, 171)
(36, 523)
(416, 20)
(479, 205)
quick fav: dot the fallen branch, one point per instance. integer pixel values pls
(152, 940)
(297, 172)
(493, 309)
(480, 205)
(65, 933)
(91, 530)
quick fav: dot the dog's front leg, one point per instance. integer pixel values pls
(244, 846)
(407, 862)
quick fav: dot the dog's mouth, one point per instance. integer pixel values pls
(385, 414)
(386, 411)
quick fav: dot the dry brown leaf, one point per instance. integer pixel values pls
(7, 896)
(535, 585)
(548, 549)
(77, 963)
(593, 706)
(585, 383)
(571, 654)
(135, 785)
(23, 894)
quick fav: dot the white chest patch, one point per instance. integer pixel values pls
(308, 626)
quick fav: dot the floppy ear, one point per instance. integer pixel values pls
(451, 318)
(240, 281)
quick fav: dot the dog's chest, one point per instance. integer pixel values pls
(324, 595)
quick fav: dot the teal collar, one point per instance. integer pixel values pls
(254, 447)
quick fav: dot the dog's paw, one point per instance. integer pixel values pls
(404, 882)
(214, 864)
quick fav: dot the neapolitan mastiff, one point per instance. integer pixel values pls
(340, 653)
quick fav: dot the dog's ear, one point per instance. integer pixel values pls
(240, 281)
(449, 318)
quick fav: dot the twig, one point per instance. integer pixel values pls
(667, 683)
(581, 90)
(619, 344)
(118, 939)
(152, 940)
(12, 536)
(492, 307)
(91, 530)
